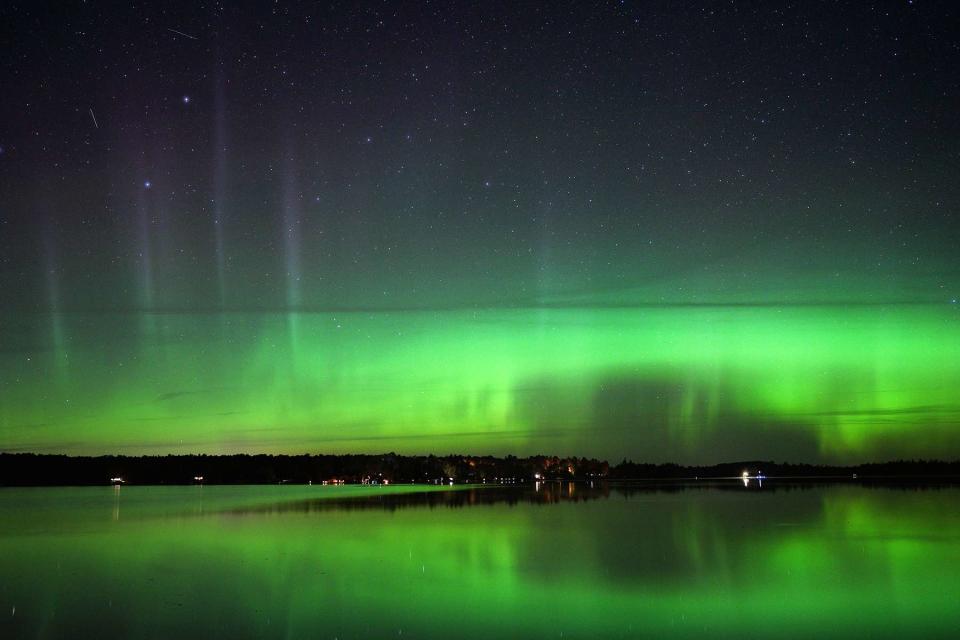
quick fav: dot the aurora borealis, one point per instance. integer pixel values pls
(814, 383)
(690, 234)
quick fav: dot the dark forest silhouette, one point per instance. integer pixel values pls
(28, 469)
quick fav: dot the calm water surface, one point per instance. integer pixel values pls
(564, 561)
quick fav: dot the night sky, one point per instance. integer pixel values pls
(663, 231)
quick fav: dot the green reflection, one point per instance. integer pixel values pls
(246, 562)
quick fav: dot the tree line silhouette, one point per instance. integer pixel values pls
(29, 469)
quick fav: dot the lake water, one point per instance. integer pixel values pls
(401, 562)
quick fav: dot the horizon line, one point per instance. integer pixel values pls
(499, 457)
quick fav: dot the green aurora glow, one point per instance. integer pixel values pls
(693, 384)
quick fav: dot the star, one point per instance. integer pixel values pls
(186, 99)
(147, 184)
